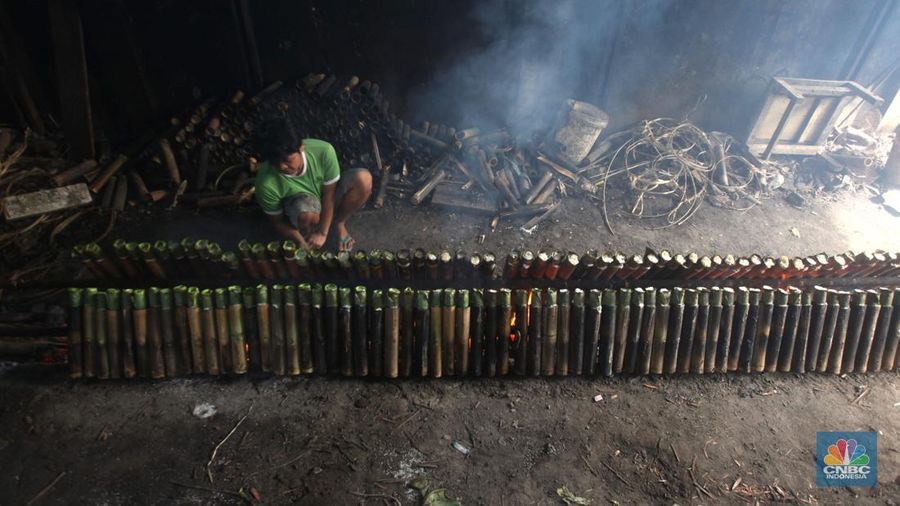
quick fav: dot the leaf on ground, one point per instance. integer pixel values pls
(569, 498)
(433, 497)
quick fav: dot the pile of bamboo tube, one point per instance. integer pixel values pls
(355, 331)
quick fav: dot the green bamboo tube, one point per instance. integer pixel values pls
(712, 329)
(879, 344)
(129, 369)
(134, 255)
(725, 322)
(392, 334)
(476, 332)
(155, 335)
(623, 316)
(99, 259)
(448, 330)
(407, 332)
(222, 333)
(562, 334)
(345, 331)
(89, 336)
(551, 327)
(208, 326)
(150, 261)
(376, 334)
(859, 320)
(251, 329)
(195, 329)
(276, 327)
(776, 333)
(648, 331)
(125, 263)
(113, 333)
(288, 253)
(422, 334)
(636, 314)
(660, 332)
(230, 264)
(359, 317)
(521, 327)
(164, 256)
(79, 253)
(535, 328)
(264, 327)
(842, 323)
(179, 259)
(435, 346)
(193, 265)
(764, 329)
(576, 333)
(74, 334)
(462, 331)
(673, 339)
(376, 264)
(139, 314)
(344, 261)
(361, 264)
(236, 329)
(698, 350)
(291, 337)
(688, 326)
(504, 309)
(828, 328)
(738, 326)
(167, 332)
(183, 344)
(490, 332)
(263, 265)
(100, 351)
(273, 249)
(314, 338)
(245, 249)
(327, 353)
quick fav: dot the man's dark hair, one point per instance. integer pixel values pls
(276, 138)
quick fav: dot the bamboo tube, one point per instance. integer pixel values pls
(100, 336)
(113, 333)
(128, 366)
(155, 335)
(698, 349)
(125, 262)
(816, 326)
(550, 333)
(152, 264)
(535, 333)
(292, 330)
(562, 333)
(854, 330)
(407, 329)
(326, 354)
(673, 340)
(576, 333)
(345, 331)
(801, 337)
(593, 321)
(392, 334)
(634, 331)
(648, 330)
(183, 345)
(448, 331)
(276, 329)
(251, 328)
(521, 328)
(876, 357)
(786, 352)
(74, 334)
(828, 330)
(623, 309)
(462, 332)
(490, 332)
(99, 259)
(607, 335)
(166, 324)
(315, 338)
(273, 249)
(236, 331)
(222, 332)
(888, 361)
(712, 329)
(264, 327)
(263, 264)
(860, 362)
(723, 345)
(839, 342)
(376, 334)
(422, 335)
(208, 326)
(198, 355)
(776, 334)
(245, 250)
(745, 359)
(360, 353)
(657, 353)
(764, 329)
(435, 357)
(688, 327)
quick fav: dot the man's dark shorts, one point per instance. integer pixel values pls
(309, 203)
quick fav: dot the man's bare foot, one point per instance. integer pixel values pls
(345, 240)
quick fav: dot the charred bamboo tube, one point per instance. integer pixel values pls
(567, 266)
(879, 343)
(634, 331)
(868, 344)
(776, 334)
(511, 267)
(150, 261)
(551, 328)
(838, 344)
(607, 335)
(562, 333)
(854, 331)
(103, 264)
(576, 333)
(448, 331)
(376, 334)
(293, 330)
(828, 330)
(154, 335)
(183, 347)
(745, 362)
(312, 341)
(251, 329)
(688, 328)
(208, 324)
(288, 254)
(712, 330)
(789, 336)
(404, 264)
(552, 271)
(435, 346)
(676, 321)
(623, 310)
(345, 331)
(421, 350)
(392, 334)
(167, 332)
(648, 329)
(888, 361)
(79, 252)
(327, 353)
(593, 321)
(360, 355)
(264, 328)
(535, 333)
(698, 350)
(236, 331)
(723, 345)
(74, 335)
(221, 317)
(195, 327)
(521, 330)
(541, 261)
(660, 333)
(376, 264)
(276, 258)
(128, 367)
(125, 261)
(245, 249)
(525, 261)
(816, 326)
(764, 329)
(407, 329)
(140, 333)
(276, 327)
(428, 187)
(801, 338)
(263, 264)
(113, 333)
(100, 336)
(490, 332)
(107, 173)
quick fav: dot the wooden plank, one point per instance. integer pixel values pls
(72, 78)
(450, 195)
(45, 201)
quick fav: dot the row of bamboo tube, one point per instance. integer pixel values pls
(354, 331)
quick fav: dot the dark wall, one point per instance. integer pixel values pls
(466, 62)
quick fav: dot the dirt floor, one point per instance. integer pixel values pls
(680, 440)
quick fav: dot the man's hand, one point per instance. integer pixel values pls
(317, 240)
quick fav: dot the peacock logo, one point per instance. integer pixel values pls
(846, 452)
(846, 459)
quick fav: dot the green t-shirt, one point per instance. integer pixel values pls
(320, 168)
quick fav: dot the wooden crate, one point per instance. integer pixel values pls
(799, 114)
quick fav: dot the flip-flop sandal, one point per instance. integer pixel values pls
(346, 243)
